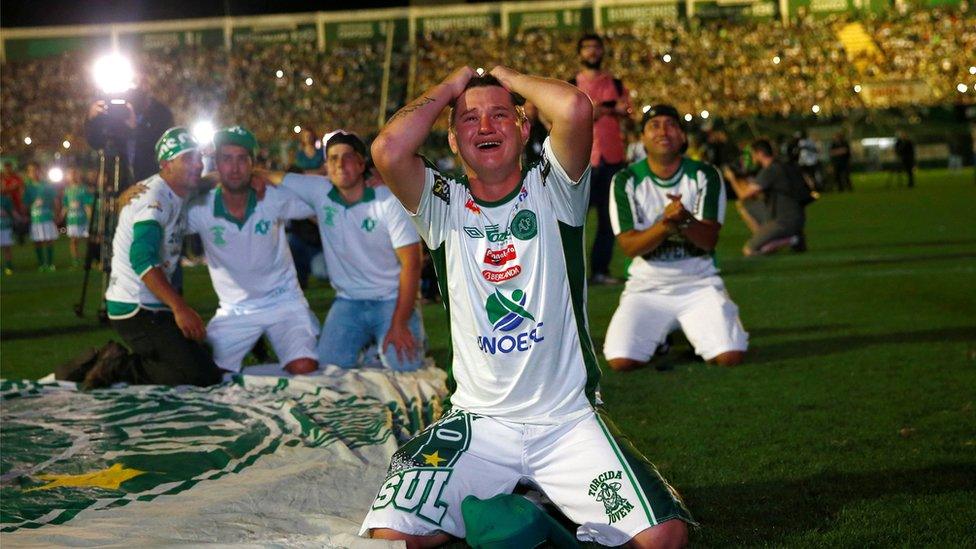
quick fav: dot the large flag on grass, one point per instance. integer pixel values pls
(260, 460)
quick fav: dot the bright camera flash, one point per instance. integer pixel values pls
(113, 74)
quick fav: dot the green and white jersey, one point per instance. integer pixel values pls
(512, 275)
(74, 201)
(637, 201)
(39, 196)
(149, 234)
(250, 264)
(6, 213)
(359, 240)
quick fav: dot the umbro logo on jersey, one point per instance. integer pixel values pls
(368, 224)
(261, 227)
(474, 232)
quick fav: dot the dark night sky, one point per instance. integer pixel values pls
(31, 13)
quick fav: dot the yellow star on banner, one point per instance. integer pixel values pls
(109, 479)
(433, 459)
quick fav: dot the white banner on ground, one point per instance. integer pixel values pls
(262, 460)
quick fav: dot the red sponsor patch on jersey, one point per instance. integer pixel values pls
(472, 206)
(500, 257)
(501, 276)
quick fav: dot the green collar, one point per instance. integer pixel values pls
(463, 180)
(670, 181)
(369, 194)
(221, 212)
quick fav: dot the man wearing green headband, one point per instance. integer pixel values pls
(144, 308)
(250, 264)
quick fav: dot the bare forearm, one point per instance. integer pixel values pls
(636, 243)
(155, 280)
(559, 102)
(701, 234)
(406, 296)
(407, 130)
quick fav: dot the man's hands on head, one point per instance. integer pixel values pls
(458, 79)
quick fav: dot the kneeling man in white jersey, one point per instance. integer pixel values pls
(373, 254)
(666, 211)
(507, 244)
(250, 264)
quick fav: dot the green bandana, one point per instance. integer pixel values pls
(236, 135)
(174, 142)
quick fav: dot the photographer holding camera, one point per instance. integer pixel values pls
(129, 125)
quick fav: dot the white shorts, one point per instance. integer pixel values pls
(705, 313)
(594, 475)
(43, 232)
(6, 238)
(291, 328)
(77, 231)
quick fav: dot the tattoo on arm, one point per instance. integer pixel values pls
(412, 107)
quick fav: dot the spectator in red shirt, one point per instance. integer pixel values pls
(611, 106)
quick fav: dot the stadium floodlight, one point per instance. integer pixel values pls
(962, 88)
(308, 81)
(667, 58)
(857, 88)
(704, 114)
(55, 175)
(279, 74)
(66, 144)
(28, 140)
(645, 108)
(688, 117)
(297, 129)
(776, 60)
(203, 131)
(114, 74)
(972, 70)
(480, 71)
(815, 109)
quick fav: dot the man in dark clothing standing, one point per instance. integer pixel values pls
(611, 105)
(840, 158)
(905, 151)
(786, 195)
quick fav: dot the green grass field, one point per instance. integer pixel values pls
(852, 423)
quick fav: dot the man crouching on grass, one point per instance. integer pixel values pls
(151, 316)
(508, 246)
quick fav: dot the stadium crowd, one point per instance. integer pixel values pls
(741, 68)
